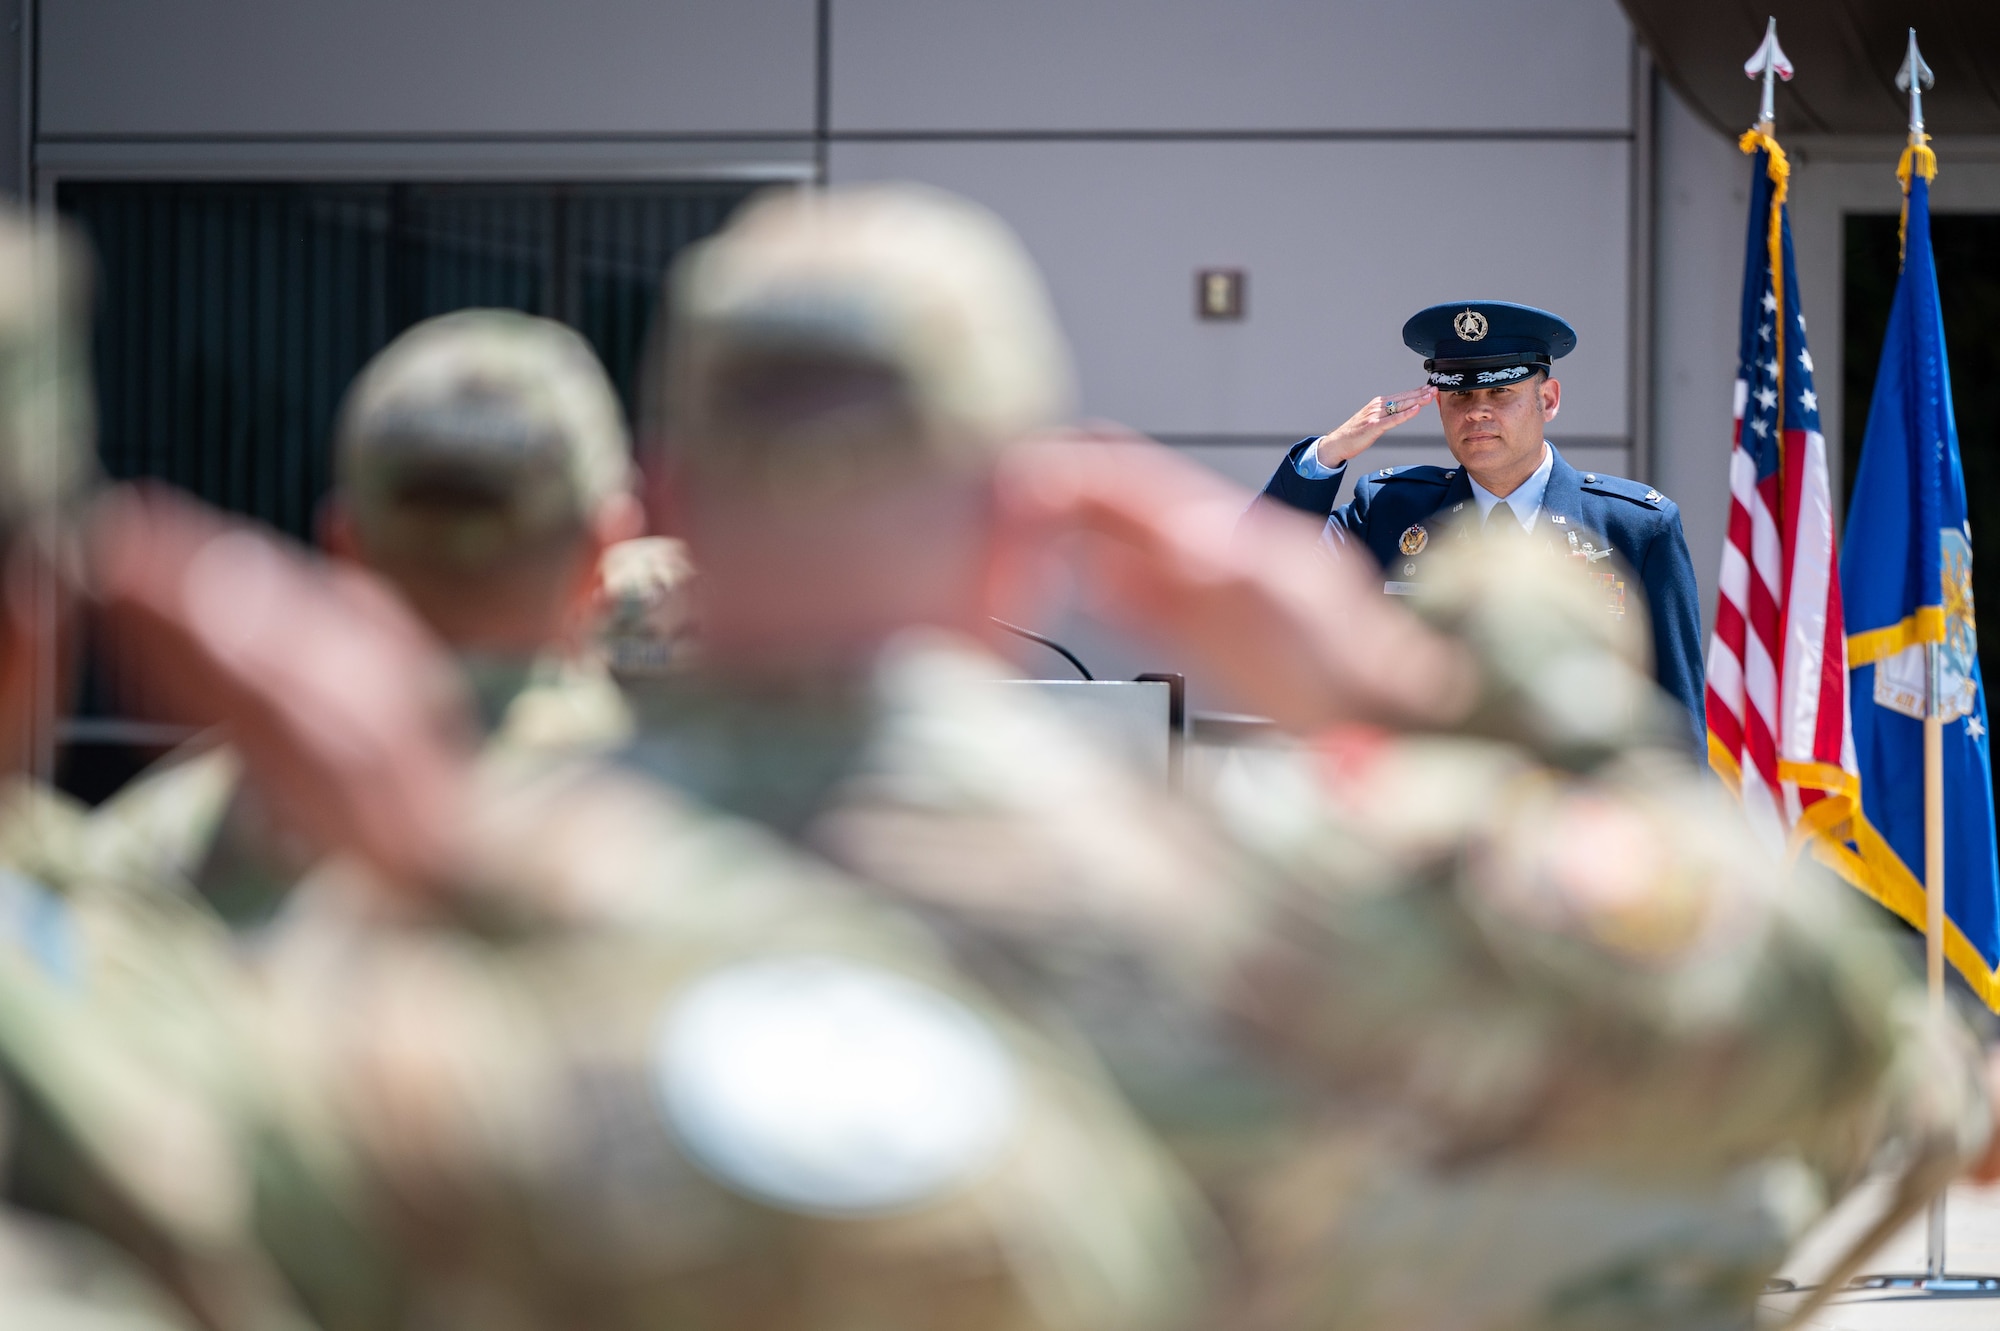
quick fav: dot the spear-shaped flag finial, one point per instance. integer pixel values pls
(1913, 78)
(1768, 62)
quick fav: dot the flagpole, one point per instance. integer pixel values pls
(1913, 78)
(1934, 845)
(1934, 1239)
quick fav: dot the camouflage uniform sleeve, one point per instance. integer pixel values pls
(135, 1076)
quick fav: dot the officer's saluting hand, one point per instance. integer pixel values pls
(1489, 368)
(1364, 427)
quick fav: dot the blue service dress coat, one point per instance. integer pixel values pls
(1587, 512)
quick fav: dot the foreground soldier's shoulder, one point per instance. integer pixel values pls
(798, 1126)
(1632, 492)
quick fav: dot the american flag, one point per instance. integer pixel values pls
(1778, 727)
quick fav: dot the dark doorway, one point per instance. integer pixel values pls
(231, 317)
(1968, 263)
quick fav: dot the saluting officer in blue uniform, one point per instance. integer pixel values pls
(1489, 366)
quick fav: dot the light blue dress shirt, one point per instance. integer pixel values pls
(1526, 501)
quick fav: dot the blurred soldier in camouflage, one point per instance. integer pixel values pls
(482, 470)
(1513, 1029)
(52, 1277)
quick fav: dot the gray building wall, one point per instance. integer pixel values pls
(1702, 196)
(1253, 66)
(403, 68)
(1359, 160)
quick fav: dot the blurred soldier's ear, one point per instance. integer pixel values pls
(334, 525)
(1551, 391)
(618, 519)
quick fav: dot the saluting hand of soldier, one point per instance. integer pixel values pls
(1364, 427)
(345, 709)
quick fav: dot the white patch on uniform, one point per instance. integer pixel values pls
(834, 1088)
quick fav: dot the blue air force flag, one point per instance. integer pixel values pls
(1907, 579)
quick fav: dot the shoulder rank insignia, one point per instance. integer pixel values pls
(1654, 496)
(1386, 471)
(1414, 539)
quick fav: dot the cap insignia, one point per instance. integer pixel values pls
(1469, 324)
(1414, 539)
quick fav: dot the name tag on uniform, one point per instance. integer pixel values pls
(1400, 588)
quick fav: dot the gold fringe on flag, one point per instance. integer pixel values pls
(1917, 160)
(1779, 169)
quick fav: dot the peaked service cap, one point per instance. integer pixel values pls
(1468, 345)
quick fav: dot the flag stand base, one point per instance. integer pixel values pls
(1943, 1283)
(1935, 1279)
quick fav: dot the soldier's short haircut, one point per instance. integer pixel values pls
(478, 436)
(828, 337)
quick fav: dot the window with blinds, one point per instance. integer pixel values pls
(230, 318)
